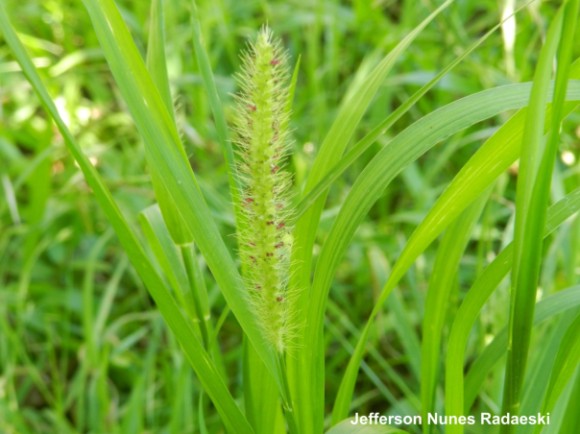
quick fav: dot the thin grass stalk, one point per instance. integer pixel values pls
(535, 172)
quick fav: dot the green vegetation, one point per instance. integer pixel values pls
(407, 233)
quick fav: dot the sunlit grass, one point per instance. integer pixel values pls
(381, 170)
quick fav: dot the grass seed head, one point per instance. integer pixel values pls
(263, 141)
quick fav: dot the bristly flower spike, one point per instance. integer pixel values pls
(263, 141)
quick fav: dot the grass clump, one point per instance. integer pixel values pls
(328, 308)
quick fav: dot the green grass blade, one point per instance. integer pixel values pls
(160, 136)
(261, 397)
(442, 281)
(404, 323)
(372, 375)
(492, 159)
(308, 388)
(156, 59)
(402, 150)
(571, 419)
(365, 143)
(199, 359)
(541, 367)
(472, 304)
(566, 364)
(167, 256)
(179, 265)
(535, 172)
(198, 293)
(157, 67)
(209, 83)
(215, 103)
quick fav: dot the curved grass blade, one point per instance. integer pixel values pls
(306, 367)
(473, 303)
(160, 136)
(366, 142)
(194, 351)
(533, 188)
(571, 418)
(405, 148)
(449, 254)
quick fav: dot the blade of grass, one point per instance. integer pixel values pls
(180, 266)
(154, 124)
(306, 367)
(406, 147)
(198, 291)
(566, 364)
(534, 179)
(260, 394)
(374, 377)
(166, 254)
(214, 101)
(365, 143)
(571, 418)
(157, 67)
(199, 359)
(404, 323)
(475, 299)
(542, 365)
(445, 270)
(156, 59)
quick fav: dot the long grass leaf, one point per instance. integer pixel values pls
(199, 359)
(156, 58)
(445, 270)
(365, 143)
(306, 367)
(565, 366)
(571, 418)
(214, 100)
(157, 67)
(535, 172)
(406, 147)
(160, 136)
(475, 299)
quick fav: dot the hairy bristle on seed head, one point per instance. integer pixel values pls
(262, 139)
